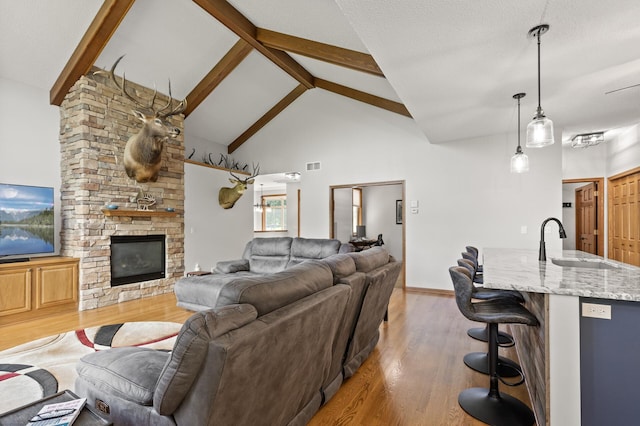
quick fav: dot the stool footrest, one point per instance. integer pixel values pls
(479, 361)
(505, 340)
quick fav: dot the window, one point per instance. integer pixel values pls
(274, 216)
(356, 210)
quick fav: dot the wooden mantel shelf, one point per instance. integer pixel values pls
(139, 213)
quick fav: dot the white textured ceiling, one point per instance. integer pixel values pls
(457, 64)
(454, 64)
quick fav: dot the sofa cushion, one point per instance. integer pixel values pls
(269, 255)
(368, 260)
(201, 292)
(272, 291)
(341, 265)
(312, 248)
(232, 266)
(128, 372)
(190, 350)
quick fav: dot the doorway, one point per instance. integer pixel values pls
(587, 218)
(585, 221)
(379, 210)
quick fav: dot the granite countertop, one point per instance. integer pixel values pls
(519, 269)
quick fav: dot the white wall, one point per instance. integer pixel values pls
(29, 146)
(343, 214)
(211, 232)
(618, 154)
(578, 163)
(201, 146)
(380, 216)
(465, 190)
(623, 153)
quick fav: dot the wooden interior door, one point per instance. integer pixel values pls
(624, 217)
(587, 218)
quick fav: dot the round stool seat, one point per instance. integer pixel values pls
(505, 340)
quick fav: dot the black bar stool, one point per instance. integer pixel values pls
(489, 404)
(478, 277)
(479, 361)
(505, 340)
(474, 251)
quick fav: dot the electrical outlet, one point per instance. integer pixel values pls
(596, 310)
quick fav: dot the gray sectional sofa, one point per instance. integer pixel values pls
(261, 257)
(270, 351)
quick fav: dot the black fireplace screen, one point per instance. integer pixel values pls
(137, 258)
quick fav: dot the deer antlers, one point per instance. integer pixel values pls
(164, 112)
(256, 172)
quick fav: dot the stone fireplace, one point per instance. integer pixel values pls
(96, 122)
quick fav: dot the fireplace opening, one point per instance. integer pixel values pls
(137, 258)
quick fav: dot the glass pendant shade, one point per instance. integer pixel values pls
(519, 162)
(539, 132)
(540, 129)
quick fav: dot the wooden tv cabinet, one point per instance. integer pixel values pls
(38, 287)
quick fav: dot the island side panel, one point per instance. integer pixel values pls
(531, 347)
(563, 386)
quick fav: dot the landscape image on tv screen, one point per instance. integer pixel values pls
(26, 220)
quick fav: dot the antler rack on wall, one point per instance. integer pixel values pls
(200, 163)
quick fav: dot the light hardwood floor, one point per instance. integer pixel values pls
(412, 378)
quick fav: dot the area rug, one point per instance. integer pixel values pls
(42, 367)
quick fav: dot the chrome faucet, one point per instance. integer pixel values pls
(542, 253)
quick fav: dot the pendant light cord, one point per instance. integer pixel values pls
(539, 103)
(519, 148)
(519, 96)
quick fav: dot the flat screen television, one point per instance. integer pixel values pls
(26, 221)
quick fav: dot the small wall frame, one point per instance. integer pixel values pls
(398, 212)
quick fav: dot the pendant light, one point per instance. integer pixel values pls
(540, 129)
(520, 161)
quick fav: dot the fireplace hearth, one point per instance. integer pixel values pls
(137, 258)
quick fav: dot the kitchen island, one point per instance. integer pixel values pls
(550, 354)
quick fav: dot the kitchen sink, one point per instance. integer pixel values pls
(584, 263)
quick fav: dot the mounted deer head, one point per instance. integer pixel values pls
(227, 197)
(143, 152)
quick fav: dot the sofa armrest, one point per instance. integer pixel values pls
(231, 266)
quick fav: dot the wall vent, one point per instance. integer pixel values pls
(311, 167)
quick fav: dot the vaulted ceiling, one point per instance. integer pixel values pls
(235, 75)
(451, 66)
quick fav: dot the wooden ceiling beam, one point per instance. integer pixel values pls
(239, 24)
(86, 53)
(270, 115)
(324, 52)
(227, 64)
(376, 101)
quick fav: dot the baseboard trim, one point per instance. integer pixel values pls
(433, 291)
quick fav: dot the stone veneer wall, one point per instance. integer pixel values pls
(96, 121)
(532, 343)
